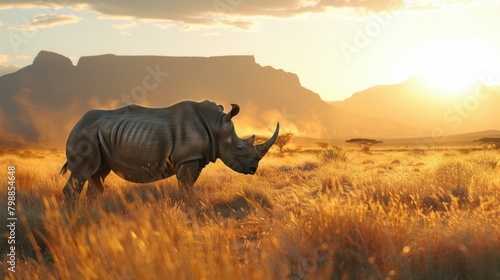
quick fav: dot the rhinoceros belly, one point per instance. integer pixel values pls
(137, 151)
(142, 174)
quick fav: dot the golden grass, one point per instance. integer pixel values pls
(384, 215)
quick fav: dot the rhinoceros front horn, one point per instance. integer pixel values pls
(263, 148)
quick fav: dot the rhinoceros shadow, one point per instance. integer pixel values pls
(241, 205)
(237, 206)
(120, 200)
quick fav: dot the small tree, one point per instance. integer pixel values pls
(283, 140)
(488, 142)
(365, 144)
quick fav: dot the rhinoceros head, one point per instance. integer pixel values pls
(238, 154)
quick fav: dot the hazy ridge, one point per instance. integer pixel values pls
(415, 104)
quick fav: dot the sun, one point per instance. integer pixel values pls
(450, 80)
(451, 66)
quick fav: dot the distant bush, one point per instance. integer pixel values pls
(309, 166)
(322, 145)
(488, 161)
(465, 151)
(418, 152)
(335, 153)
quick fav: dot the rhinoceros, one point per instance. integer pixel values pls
(149, 144)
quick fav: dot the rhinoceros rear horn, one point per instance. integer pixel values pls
(263, 148)
(235, 109)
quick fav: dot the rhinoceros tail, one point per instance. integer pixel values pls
(64, 169)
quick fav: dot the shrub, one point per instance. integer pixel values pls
(455, 176)
(417, 152)
(488, 161)
(335, 153)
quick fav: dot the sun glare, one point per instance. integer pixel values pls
(450, 80)
(452, 66)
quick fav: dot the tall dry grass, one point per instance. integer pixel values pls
(385, 215)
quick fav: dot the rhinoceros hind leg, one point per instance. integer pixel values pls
(72, 190)
(95, 187)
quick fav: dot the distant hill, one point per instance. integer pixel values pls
(40, 103)
(414, 104)
(466, 139)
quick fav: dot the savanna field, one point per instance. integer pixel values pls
(330, 214)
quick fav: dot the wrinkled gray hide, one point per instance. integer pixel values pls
(149, 144)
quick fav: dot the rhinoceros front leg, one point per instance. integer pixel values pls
(95, 186)
(187, 174)
(72, 190)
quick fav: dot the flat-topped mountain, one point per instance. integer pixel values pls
(40, 103)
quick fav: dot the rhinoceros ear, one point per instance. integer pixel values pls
(235, 109)
(250, 140)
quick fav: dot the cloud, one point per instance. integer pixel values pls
(46, 21)
(3, 58)
(238, 13)
(22, 4)
(123, 27)
(5, 66)
(1, 23)
(211, 34)
(23, 57)
(163, 25)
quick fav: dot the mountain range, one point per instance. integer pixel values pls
(414, 102)
(40, 103)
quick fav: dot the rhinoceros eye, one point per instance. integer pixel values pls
(239, 150)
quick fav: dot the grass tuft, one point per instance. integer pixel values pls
(333, 154)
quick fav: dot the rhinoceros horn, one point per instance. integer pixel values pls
(263, 148)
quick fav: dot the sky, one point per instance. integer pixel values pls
(336, 47)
